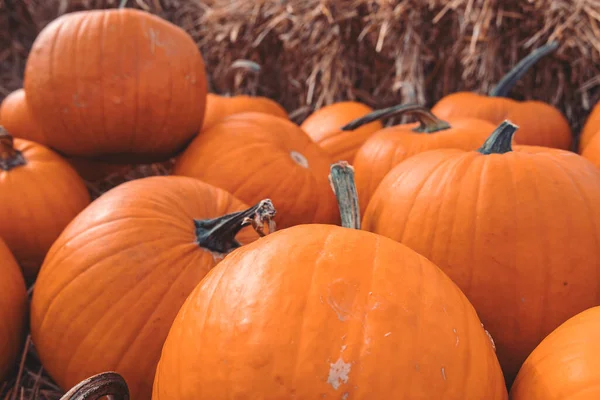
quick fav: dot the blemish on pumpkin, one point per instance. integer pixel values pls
(345, 396)
(341, 299)
(522, 299)
(454, 330)
(416, 366)
(444, 373)
(387, 334)
(338, 373)
(343, 348)
(299, 159)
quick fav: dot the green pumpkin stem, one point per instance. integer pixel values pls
(512, 77)
(500, 141)
(218, 234)
(9, 156)
(341, 178)
(98, 386)
(429, 123)
(123, 3)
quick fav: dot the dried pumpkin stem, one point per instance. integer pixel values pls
(341, 178)
(98, 386)
(123, 3)
(512, 77)
(9, 156)
(429, 123)
(218, 234)
(500, 141)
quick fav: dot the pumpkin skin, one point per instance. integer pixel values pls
(40, 194)
(494, 224)
(219, 107)
(592, 150)
(320, 311)
(390, 146)
(590, 128)
(13, 310)
(256, 155)
(323, 126)
(114, 280)
(563, 366)
(141, 99)
(17, 119)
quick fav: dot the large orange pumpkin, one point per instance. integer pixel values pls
(518, 231)
(113, 281)
(320, 311)
(590, 128)
(13, 310)
(116, 84)
(323, 126)
(16, 117)
(219, 107)
(39, 195)
(565, 365)
(255, 155)
(390, 146)
(540, 124)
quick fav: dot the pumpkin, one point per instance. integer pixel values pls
(113, 281)
(592, 150)
(540, 124)
(590, 128)
(390, 146)
(16, 118)
(13, 310)
(563, 365)
(255, 155)
(219, 107)
(40, 194)
(118, 84)
(494, 220)
(323, 126)
(320, 311)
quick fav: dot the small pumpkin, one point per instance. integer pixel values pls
(565, 364)
(592, 150)
(390, 146)
(40, 194)
(494, 220)
(321, 311)
(219, 107)
(590, 128)
(16, 117)
(323, 126)
(540, 124)
(106, 85)
(255, 155)
(13, 310)
(113, 281)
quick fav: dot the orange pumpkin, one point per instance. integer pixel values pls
(591, 127)
(321, 311)
(13, 310)
(390, 146)
(40, 194)
(219, 107)
(564, 365)
(540, 124)
(116, 84)
(592, 150)
(113, 281)
(16, 118)
(323, 126)
(256, 155)
(494, 220)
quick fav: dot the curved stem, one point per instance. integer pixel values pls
(341, 178)
(9, 156)
(246, 65)
(512, 77)
(123, 3)
(218, 234)
(500, 141)
(98, 386)
(429, 123)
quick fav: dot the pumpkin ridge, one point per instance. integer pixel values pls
(77, 38)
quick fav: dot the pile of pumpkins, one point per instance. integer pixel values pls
(457, 257)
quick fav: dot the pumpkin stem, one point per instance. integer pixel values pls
(429, 123)
(500, 141)
(234, 80)
(342, 182)
(218, 234)
(98, 386)
(123, 3)
(512, 77)
(9, 156)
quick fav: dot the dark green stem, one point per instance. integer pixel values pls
(98, 386)
(342, 182)
(218, 234)
(512, 77)
(123, 3)
(500, 141)
(429, 123)
(9, 156)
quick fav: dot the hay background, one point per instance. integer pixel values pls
(315, 52)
